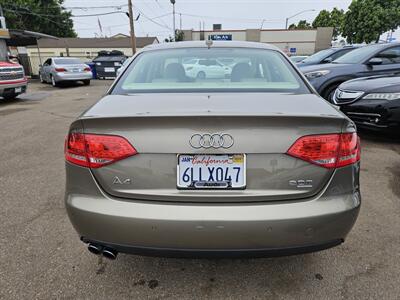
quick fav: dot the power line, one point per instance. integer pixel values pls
(99, 14)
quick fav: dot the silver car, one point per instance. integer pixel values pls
(56, 70)
(251, 164)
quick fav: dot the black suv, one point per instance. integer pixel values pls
(378, 59)
(325, 56)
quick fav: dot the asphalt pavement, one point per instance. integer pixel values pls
(41, 256)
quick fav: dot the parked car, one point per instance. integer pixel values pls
(378, 59)
(206, 68)
(56, 70)
(372, 102)
(107, 63)
(298, 58)
(251, 165)
(326, 56)
(12, 80)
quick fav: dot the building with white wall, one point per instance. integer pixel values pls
(84, 48)
(299, 42)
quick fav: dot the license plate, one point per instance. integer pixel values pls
(18, 89)
(76, 70)
(211, 171)
(109, 70)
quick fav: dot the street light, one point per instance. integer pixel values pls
(173, 16)
(262, 24)
(299, 13)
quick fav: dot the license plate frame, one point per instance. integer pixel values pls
(194, 187)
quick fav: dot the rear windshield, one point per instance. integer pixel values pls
(67, 61)
(209, 70)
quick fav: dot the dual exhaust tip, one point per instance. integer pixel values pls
(100, 250)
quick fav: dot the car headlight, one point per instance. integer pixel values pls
(382, 96)
(316, 74)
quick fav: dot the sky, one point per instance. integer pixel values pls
(156, 15)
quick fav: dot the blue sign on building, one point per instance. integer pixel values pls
(220, 37)
(293, 50)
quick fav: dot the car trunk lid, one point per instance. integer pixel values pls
(263, 126)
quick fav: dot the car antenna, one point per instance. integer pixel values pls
(209, 43)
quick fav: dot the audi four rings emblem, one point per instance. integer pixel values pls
(208, 140)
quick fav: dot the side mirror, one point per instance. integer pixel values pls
(375, 61)
(327, 60)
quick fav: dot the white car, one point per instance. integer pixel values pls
(206, 68)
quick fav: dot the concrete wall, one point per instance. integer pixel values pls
(85, 54)
(324, 38)
(306, 42)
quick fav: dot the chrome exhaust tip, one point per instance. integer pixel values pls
(95, 249)
(110, 253)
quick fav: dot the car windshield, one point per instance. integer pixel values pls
(67, 61)
(200, 69)
(317, 57)
(359, 55)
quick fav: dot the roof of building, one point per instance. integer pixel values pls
(217, 44)
(96, 42)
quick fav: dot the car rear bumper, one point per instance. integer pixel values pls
(73, 76)
(260, 229)
(216, 253)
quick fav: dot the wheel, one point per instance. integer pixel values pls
(201, 75)
(53, 81)
(10, 97)
(41, 78)
(86, 82)
(329, 92)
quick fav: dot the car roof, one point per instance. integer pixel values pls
(215, 44)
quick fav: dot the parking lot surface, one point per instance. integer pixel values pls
(41, 256)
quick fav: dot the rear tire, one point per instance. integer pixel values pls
(53, 81)
(86, 82)
(201, 75)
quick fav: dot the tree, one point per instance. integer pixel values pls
(179, 36)
(45, 16)
(367, 20)
(303, 24)
(334, 19)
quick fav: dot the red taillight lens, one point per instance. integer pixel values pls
(95, 151)
(87, 69)
(60, 70)
(350, 150)
(329, 151)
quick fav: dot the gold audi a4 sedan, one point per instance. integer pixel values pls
(233, 156)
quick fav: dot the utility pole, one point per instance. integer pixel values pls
(173, 13)
(132, 28)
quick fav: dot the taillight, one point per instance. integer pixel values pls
(328, 150)
(87, 69)
(95, 151)
(60, 70)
